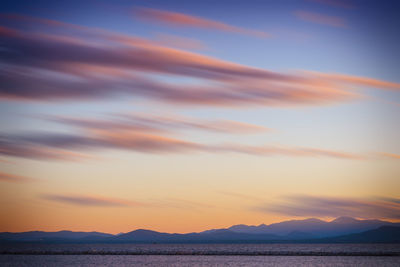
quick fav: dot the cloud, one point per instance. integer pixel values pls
(320, 18)
(57, 61)
(84, 200)
(11, 147)
(146, 134)
(358, 81)
(389, 199)
(184, 20)
(12, 178)
(67, 146)
(119, 51)
(160, 124)
(77, 63)
(101, 201)
(336, 3)
(305, 206)
(6, 161)
(179, 42)
(286, 151)
(390, 155)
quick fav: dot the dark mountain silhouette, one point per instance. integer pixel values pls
(34, 236)
(142, 235)
(342, 229)
(314, 227)
(297, 235)
(384, 234)
(218, 236)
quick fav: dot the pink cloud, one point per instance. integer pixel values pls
(356, 80)
(321, 18)
(165, 123)
(320, 206)
(336, 3)
(81, 63)
(184, 20)
(67, 147)
(120, 65)
(179, 42)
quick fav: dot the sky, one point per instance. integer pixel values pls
(183, 116)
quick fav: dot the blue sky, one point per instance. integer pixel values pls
(260, 98)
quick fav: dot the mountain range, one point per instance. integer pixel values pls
(313, 228)
(342, 229)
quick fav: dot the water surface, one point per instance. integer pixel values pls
(200, 255)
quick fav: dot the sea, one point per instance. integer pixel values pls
(200, 255)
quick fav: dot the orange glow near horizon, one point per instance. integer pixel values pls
(184, 118)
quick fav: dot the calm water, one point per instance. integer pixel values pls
(110, 260)
(201, 255)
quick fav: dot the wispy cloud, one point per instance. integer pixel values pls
(146, 134)
(154, 137)
(179, 42)
(171, 123)
(391, 199)
(80, 63)
(318, 206)
(53, 60)
(185, 20)
(29, 150)
(336, 3)
(357, 81)
(286, 151)
(390, 155)
(320, 18)
(49, 144)
(74, 144)
(84, 200)
(12, 178)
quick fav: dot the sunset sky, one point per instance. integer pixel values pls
(181, 116)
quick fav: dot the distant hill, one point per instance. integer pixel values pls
(219, 236)
(314, 227)
(384, 234)
(342, 229)
(37, 236)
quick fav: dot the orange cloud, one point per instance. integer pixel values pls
(391, 155)
(234, 127)
(184, 20)
(320, 18)
(355, 80)
(104, 64)
(286, 151)
(83, 200)
(7, 177)
(147, 123)
(238, 85)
